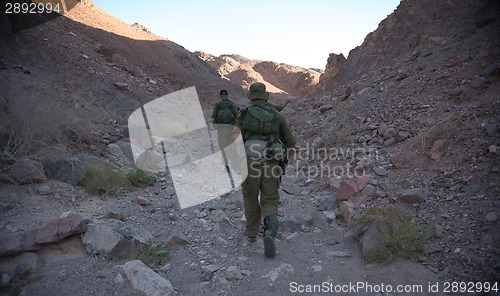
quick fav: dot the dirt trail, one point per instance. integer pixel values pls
(312, 249)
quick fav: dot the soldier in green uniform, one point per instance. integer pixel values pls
(267, 137)
(223, 117)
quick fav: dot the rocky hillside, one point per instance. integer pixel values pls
(420, 97)
(279, 78)
(78, 77)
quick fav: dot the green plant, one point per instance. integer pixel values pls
(404, 238)
(139, 178)
(385, 215)
(104, 181)
(379, 255)
(153, 253)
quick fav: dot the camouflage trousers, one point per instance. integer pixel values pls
(224, 137)
(263, 178)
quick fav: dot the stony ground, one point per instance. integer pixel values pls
(313, 247)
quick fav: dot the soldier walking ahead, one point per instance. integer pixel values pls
(223, 117)
(267, 137)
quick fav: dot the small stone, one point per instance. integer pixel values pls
(478, 82)
(233, 274)
(177, 238)
(5, 279)
(246, 272)
(379, 171)
(390, 133)
(437, 149)
(44, 190)
(350, 187)
(142, 201)
(432, 248)
(382, 128)
(211, 268)
(317, 268)
(414, 195)
(492, 129)
(121, 85)
(347, 209)
(115, 215)
(492, 217)
(332, 242)
(328, 203)
(335, 182)
(119, 279)
(398, 160)
(493, 148)
(207, 276)
(389, 142)
(337, 254)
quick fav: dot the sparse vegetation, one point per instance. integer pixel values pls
(153, 254)
(139, 178)
(106, 181)
(404, 238)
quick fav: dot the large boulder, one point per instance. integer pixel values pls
(69, 170)
(30, 240)
(27, 171)
(146, 280)
(93, 161)
(114, 238)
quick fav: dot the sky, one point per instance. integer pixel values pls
(300, 33)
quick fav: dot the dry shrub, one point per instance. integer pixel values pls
(42, 128)
(448, 128)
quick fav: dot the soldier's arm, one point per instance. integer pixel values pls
(237, 129)
(214, 113)
(287, 133)
(235, 110)
(275, 106)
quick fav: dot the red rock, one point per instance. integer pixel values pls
(437, 149)
(350, 187)
(68, 224)
(346, 208)
(142, 201)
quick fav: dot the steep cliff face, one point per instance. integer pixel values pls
(279, 78)
(417, 28)
(94, 70)
(299, 82)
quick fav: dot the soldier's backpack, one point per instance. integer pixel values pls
(260, 120)
(225, 112)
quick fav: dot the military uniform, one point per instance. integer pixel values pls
(224, 131)
(264, 177)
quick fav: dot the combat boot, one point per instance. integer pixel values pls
(271, 229)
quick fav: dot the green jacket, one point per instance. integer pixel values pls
(285, 133)
(216, 108)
